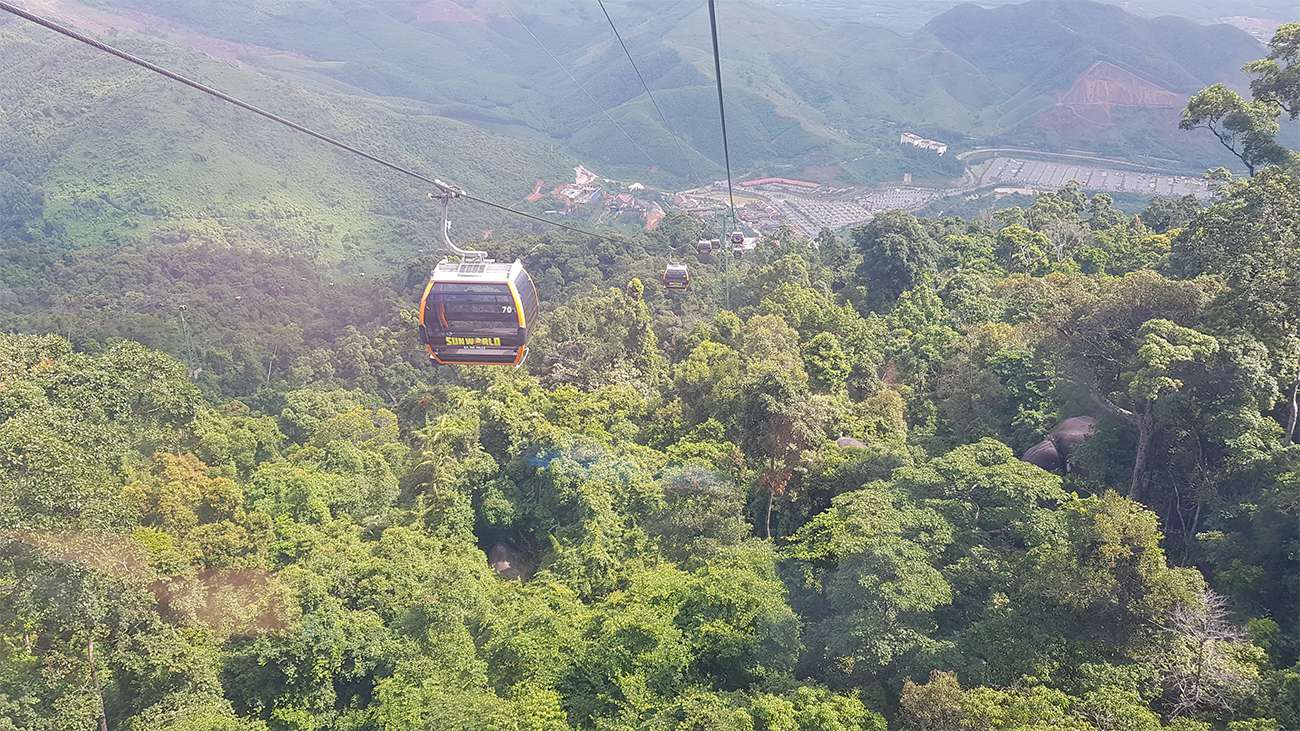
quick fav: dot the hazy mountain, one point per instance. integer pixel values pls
(805, 93)
(907, 15)
(1090, 76)
(99, 152)
(470, 87)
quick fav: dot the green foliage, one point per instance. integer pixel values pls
(1278, 76)
(897, 253)
(1246, 128)
(235, 497)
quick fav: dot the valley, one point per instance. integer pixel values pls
(874, 118)
(764, 204)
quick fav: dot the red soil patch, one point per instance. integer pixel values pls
(1107, 98)
(1109, 85)
(653, 217)
(536, 195)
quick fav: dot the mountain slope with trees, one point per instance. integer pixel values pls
(100, 153)
(807, 93)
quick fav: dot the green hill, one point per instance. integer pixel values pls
(460, 88)
(104, 154)
(806, 92)
(1045, 44)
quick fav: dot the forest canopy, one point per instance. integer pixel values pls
(1032, 469)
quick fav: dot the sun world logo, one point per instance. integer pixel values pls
(473, 341)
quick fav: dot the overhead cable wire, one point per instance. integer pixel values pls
(594, 102)
(210, 91)
(722, 109)
(686, 155)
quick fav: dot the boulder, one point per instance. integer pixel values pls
(1053, 453)
(1073, 431)
(1044, 454)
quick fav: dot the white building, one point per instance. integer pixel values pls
(916, 140)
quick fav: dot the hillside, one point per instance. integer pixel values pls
(908, 15)
(480, 65)
(106, 154)
(1030, 468)
(807, 93)
(1079, 75)
(1044, 44)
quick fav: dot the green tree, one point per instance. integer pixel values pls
(1123, 347)
(1023, 250)
(1164, 214)
(1247, 129)
(1278, 75)
(827, 364)
(869, 562)
(1251, 239)
(897, 254)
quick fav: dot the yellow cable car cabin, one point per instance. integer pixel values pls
(677, 277)
(478, 313)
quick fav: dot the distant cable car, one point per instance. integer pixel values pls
(476, 311)
(677, 277)
(738, 244)
(708, 246)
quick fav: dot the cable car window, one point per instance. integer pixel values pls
(481, 309)
(527, 296)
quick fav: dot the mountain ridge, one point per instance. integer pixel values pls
(821, 91)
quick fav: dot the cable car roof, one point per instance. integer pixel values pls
(480, 271)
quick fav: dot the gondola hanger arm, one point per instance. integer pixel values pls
(445, 194)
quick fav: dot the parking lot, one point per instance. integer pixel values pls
(1053, 176)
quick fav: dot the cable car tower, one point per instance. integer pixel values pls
(475, 311)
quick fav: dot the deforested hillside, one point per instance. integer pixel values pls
(1046, 44)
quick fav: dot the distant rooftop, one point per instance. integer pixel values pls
(779, 181)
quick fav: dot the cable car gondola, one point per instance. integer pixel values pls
(737, 239)
(708, 246)
(677, 277)
(739, 246)
(476, 311)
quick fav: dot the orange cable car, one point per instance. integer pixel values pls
(476, 311)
